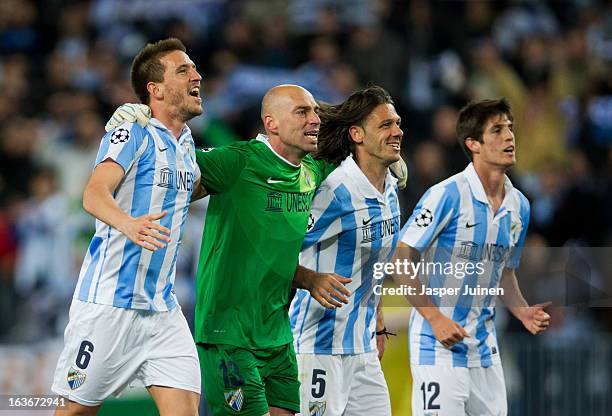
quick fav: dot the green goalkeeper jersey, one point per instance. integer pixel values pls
(255, 224)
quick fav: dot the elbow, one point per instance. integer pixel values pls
(87, 201)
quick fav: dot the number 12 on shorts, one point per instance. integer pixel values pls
(432, 390)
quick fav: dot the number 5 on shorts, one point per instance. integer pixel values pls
(318, 383)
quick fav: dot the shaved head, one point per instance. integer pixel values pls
(289, 115)
(280, 96)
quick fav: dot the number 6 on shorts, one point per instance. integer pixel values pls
(84, 354)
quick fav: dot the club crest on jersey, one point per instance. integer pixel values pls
(234, 399)
(75, 378)
(307, 182)
(317, 408)
(307, 178)
(120, 136)
(515, 232)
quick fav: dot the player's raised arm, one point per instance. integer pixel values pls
(98, 201)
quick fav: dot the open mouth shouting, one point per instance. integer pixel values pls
(313, 135)
(195, 92)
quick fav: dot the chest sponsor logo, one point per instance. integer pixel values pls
(492, 252)
(378, 230)
(275, 202)
(289, 202)
(180, 180)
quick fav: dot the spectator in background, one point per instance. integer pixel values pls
(78, 154)
(17, 148)
(44, 259)
(8, 250)
(443, 132)
(540, 123)
(428, 167)
(377, 55)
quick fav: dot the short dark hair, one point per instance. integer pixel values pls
(335, 142)
(474, 116)
(147, 66)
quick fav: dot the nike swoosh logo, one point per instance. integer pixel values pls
(162, 150)
(468, 225)
(368, 221)
(270, 180)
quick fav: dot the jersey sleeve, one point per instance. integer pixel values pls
(431, 214)
(325, 215)
(123, 145)
(519, 234)
(220, 167)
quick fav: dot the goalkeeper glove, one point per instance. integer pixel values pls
(400, 171)
(133, 113)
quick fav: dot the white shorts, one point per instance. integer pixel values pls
(439, 390)
(348, 385)
(107, 348)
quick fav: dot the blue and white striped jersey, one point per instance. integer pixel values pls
(160, 172)
(352, 226)
(453, 223)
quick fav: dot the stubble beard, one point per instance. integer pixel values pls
(183, 111)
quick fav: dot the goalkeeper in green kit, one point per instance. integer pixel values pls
(257, 217)
(261, 192)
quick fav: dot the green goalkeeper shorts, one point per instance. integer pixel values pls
(238, 381)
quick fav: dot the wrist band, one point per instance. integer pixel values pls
(385, 332)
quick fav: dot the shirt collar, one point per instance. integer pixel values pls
(186, 132)
(478, 190)
(264, 138)
(364, 185)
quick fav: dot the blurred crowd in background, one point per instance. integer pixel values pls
(64, 68)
